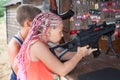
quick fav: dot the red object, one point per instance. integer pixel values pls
(110, 4)
(38, 71)
(72, 32)
(116, 33)
(95, 29)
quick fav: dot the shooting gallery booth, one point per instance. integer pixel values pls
(82, 14)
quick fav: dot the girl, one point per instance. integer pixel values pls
(35, 61)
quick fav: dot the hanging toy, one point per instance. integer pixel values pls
(80, 17)
(110, 10)
(95, 18)
(96, 6)
(95, 15)
(77, 24)
(95, 11)
(104, 0)
(71, 19)
(112, 4)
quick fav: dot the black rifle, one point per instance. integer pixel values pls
(89, 37)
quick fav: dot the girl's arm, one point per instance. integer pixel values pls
(40, 51)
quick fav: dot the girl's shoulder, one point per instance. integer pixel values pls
(37, 42)
(38, 46)
(37, 49)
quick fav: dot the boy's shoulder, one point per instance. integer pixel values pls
(13, 43)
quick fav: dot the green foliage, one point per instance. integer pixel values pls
(1, 12)
(2, 8)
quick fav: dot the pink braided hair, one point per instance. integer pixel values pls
(43, 20)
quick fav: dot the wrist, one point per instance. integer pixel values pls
(79, 56)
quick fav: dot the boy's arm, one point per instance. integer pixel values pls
(13, 49)
(53, 4)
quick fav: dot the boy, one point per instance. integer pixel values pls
(25, 15)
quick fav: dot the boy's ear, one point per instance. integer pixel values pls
(27, 23)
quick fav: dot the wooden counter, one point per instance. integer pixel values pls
(116, 45)
(89, 64)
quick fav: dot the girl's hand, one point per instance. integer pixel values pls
(84, 51)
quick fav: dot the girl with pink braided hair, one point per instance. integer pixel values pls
(35, 61)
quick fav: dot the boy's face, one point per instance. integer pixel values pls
(56, 33)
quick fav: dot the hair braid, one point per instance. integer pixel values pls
(40, 21)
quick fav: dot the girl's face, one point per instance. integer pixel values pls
(55, 33)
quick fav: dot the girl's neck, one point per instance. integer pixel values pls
(44, 39)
